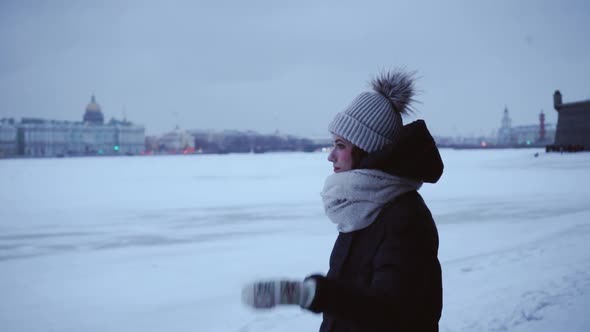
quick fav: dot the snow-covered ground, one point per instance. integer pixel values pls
(165, 243)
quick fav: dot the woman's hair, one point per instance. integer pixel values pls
(358, 155)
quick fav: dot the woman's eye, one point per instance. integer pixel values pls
(340, 146)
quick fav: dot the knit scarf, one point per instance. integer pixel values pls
(353, 199)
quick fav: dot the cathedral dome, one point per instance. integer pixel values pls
(93, 106)
(93, 112)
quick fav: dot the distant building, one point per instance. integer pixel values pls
(573, 124)
(177, 141)
(8, 136)
(235, 141)
(152, 144)
(528, 135)
(51, 138)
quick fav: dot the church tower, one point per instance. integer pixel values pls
(506, 121)
(505, 131)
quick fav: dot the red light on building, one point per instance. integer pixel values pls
(188, 150)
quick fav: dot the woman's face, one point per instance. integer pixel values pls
(341, 154)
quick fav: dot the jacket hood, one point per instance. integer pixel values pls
(414, 155)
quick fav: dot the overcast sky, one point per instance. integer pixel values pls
(290, 65)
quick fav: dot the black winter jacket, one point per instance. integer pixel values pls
(387, 277)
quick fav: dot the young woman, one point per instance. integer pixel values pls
(384, 269)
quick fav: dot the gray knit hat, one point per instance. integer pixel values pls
(373, 119)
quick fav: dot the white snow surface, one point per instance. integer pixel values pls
(166, 243)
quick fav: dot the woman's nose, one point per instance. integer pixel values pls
(331, 156)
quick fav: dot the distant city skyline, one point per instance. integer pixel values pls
(266, 66)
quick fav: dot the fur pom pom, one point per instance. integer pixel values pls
(398, 87)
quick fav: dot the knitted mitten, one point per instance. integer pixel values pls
(270, 293)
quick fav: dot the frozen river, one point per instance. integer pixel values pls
(165, 243)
